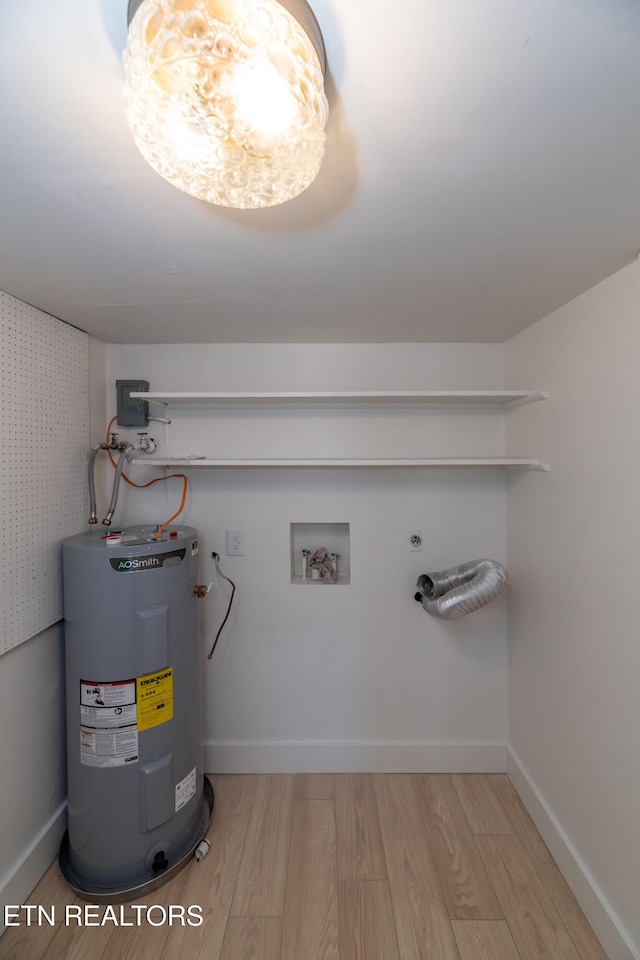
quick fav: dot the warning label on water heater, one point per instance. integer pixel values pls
(112, 715)
(155, 698)
(108, 723)
(185, 789)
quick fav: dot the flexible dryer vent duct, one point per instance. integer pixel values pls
(458, 591)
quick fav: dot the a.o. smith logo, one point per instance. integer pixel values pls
(152, 562)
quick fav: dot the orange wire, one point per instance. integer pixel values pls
(141, 486)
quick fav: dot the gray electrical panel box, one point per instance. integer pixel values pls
(132, 412)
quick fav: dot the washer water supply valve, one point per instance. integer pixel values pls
(320, 565)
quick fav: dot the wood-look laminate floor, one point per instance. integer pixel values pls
(342, 867)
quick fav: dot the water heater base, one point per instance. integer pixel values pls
(120, 895)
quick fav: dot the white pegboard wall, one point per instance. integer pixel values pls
(44, 392)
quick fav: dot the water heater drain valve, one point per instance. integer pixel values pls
(202, 850)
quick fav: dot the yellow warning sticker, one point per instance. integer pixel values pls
(154, 698)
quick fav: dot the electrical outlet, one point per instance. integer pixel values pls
(235, 543)
(415, 541)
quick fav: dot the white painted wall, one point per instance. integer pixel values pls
(33, 783)
(574, 654)
(353, 677)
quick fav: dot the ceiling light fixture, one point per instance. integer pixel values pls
(225, 98)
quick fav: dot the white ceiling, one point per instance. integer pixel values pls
(482, 169)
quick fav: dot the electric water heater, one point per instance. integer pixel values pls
(139, 803)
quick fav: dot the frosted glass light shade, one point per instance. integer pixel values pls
(225, 98)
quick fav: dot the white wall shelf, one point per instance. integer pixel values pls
(521, 462)
(472, 398)
(483, 399)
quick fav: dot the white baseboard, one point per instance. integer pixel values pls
(25, 873)
(357, 756)
(612, 935)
